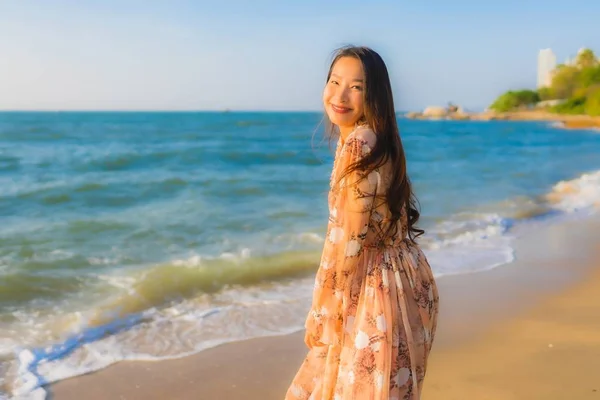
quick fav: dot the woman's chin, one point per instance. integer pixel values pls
(341, 122)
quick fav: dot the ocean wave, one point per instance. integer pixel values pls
(91, 191)
(186, 278)
(9, 163)
(477, 241)
(128, 158)
(469, 242)
(245, 157)
(576, 194)
(165, 333)
(189, 304)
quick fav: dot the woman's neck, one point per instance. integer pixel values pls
(345, 131)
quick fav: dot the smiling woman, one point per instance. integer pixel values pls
(343, 94)
(375, 301)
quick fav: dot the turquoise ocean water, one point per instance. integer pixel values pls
(156, 235)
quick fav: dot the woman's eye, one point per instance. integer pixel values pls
(334, 82)
(357, 87)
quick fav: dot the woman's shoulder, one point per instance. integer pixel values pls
(364, 134)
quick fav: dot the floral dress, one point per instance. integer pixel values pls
(375, 302)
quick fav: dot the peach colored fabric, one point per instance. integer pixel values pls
(375, 302)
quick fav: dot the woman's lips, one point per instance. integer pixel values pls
(340, 109)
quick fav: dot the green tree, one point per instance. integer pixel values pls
(586, 59)
(546, 93)
(578, 86)
(564, 81)
(575, 105)
(515, 99)
(592, 102)
(588, 77)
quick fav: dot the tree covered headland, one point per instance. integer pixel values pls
(576, 86)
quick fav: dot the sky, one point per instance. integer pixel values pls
(274, 55)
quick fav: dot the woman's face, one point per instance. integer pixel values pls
(343, 94)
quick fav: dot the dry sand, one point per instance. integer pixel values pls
(551, 352)
(529, 330)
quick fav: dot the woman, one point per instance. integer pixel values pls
(375, 301)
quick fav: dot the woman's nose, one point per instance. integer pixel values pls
(342, 95)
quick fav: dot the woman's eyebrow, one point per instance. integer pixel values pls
(354, 80)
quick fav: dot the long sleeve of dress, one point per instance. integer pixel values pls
(350, 206)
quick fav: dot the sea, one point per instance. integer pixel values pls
(156, 235)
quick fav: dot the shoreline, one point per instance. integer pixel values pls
(550, 263)
(568, 121)
(550, 352)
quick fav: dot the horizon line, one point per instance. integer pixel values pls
(164, 111)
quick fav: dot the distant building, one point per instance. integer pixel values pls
(546, 65)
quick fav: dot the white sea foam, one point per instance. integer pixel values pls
(464, 243)
(576, 194)
(196, 260)
(177, 331)
(469, 243)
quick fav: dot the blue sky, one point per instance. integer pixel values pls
(273, 55)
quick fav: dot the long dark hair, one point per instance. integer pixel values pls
(380, 115)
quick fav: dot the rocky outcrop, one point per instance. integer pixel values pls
(438, 112)
(413, 115)
(435, 112)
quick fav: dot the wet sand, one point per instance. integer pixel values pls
(527, 330)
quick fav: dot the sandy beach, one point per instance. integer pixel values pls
(522, 331)
(566, 120)
(550, 352)
(178, 216)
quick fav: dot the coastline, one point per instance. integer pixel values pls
(566, 120)
(489, 321)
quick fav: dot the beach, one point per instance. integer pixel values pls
(523, 331)
(172, 255)
(567, 121)
(170, 214)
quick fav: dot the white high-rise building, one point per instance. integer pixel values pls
(546, 65)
